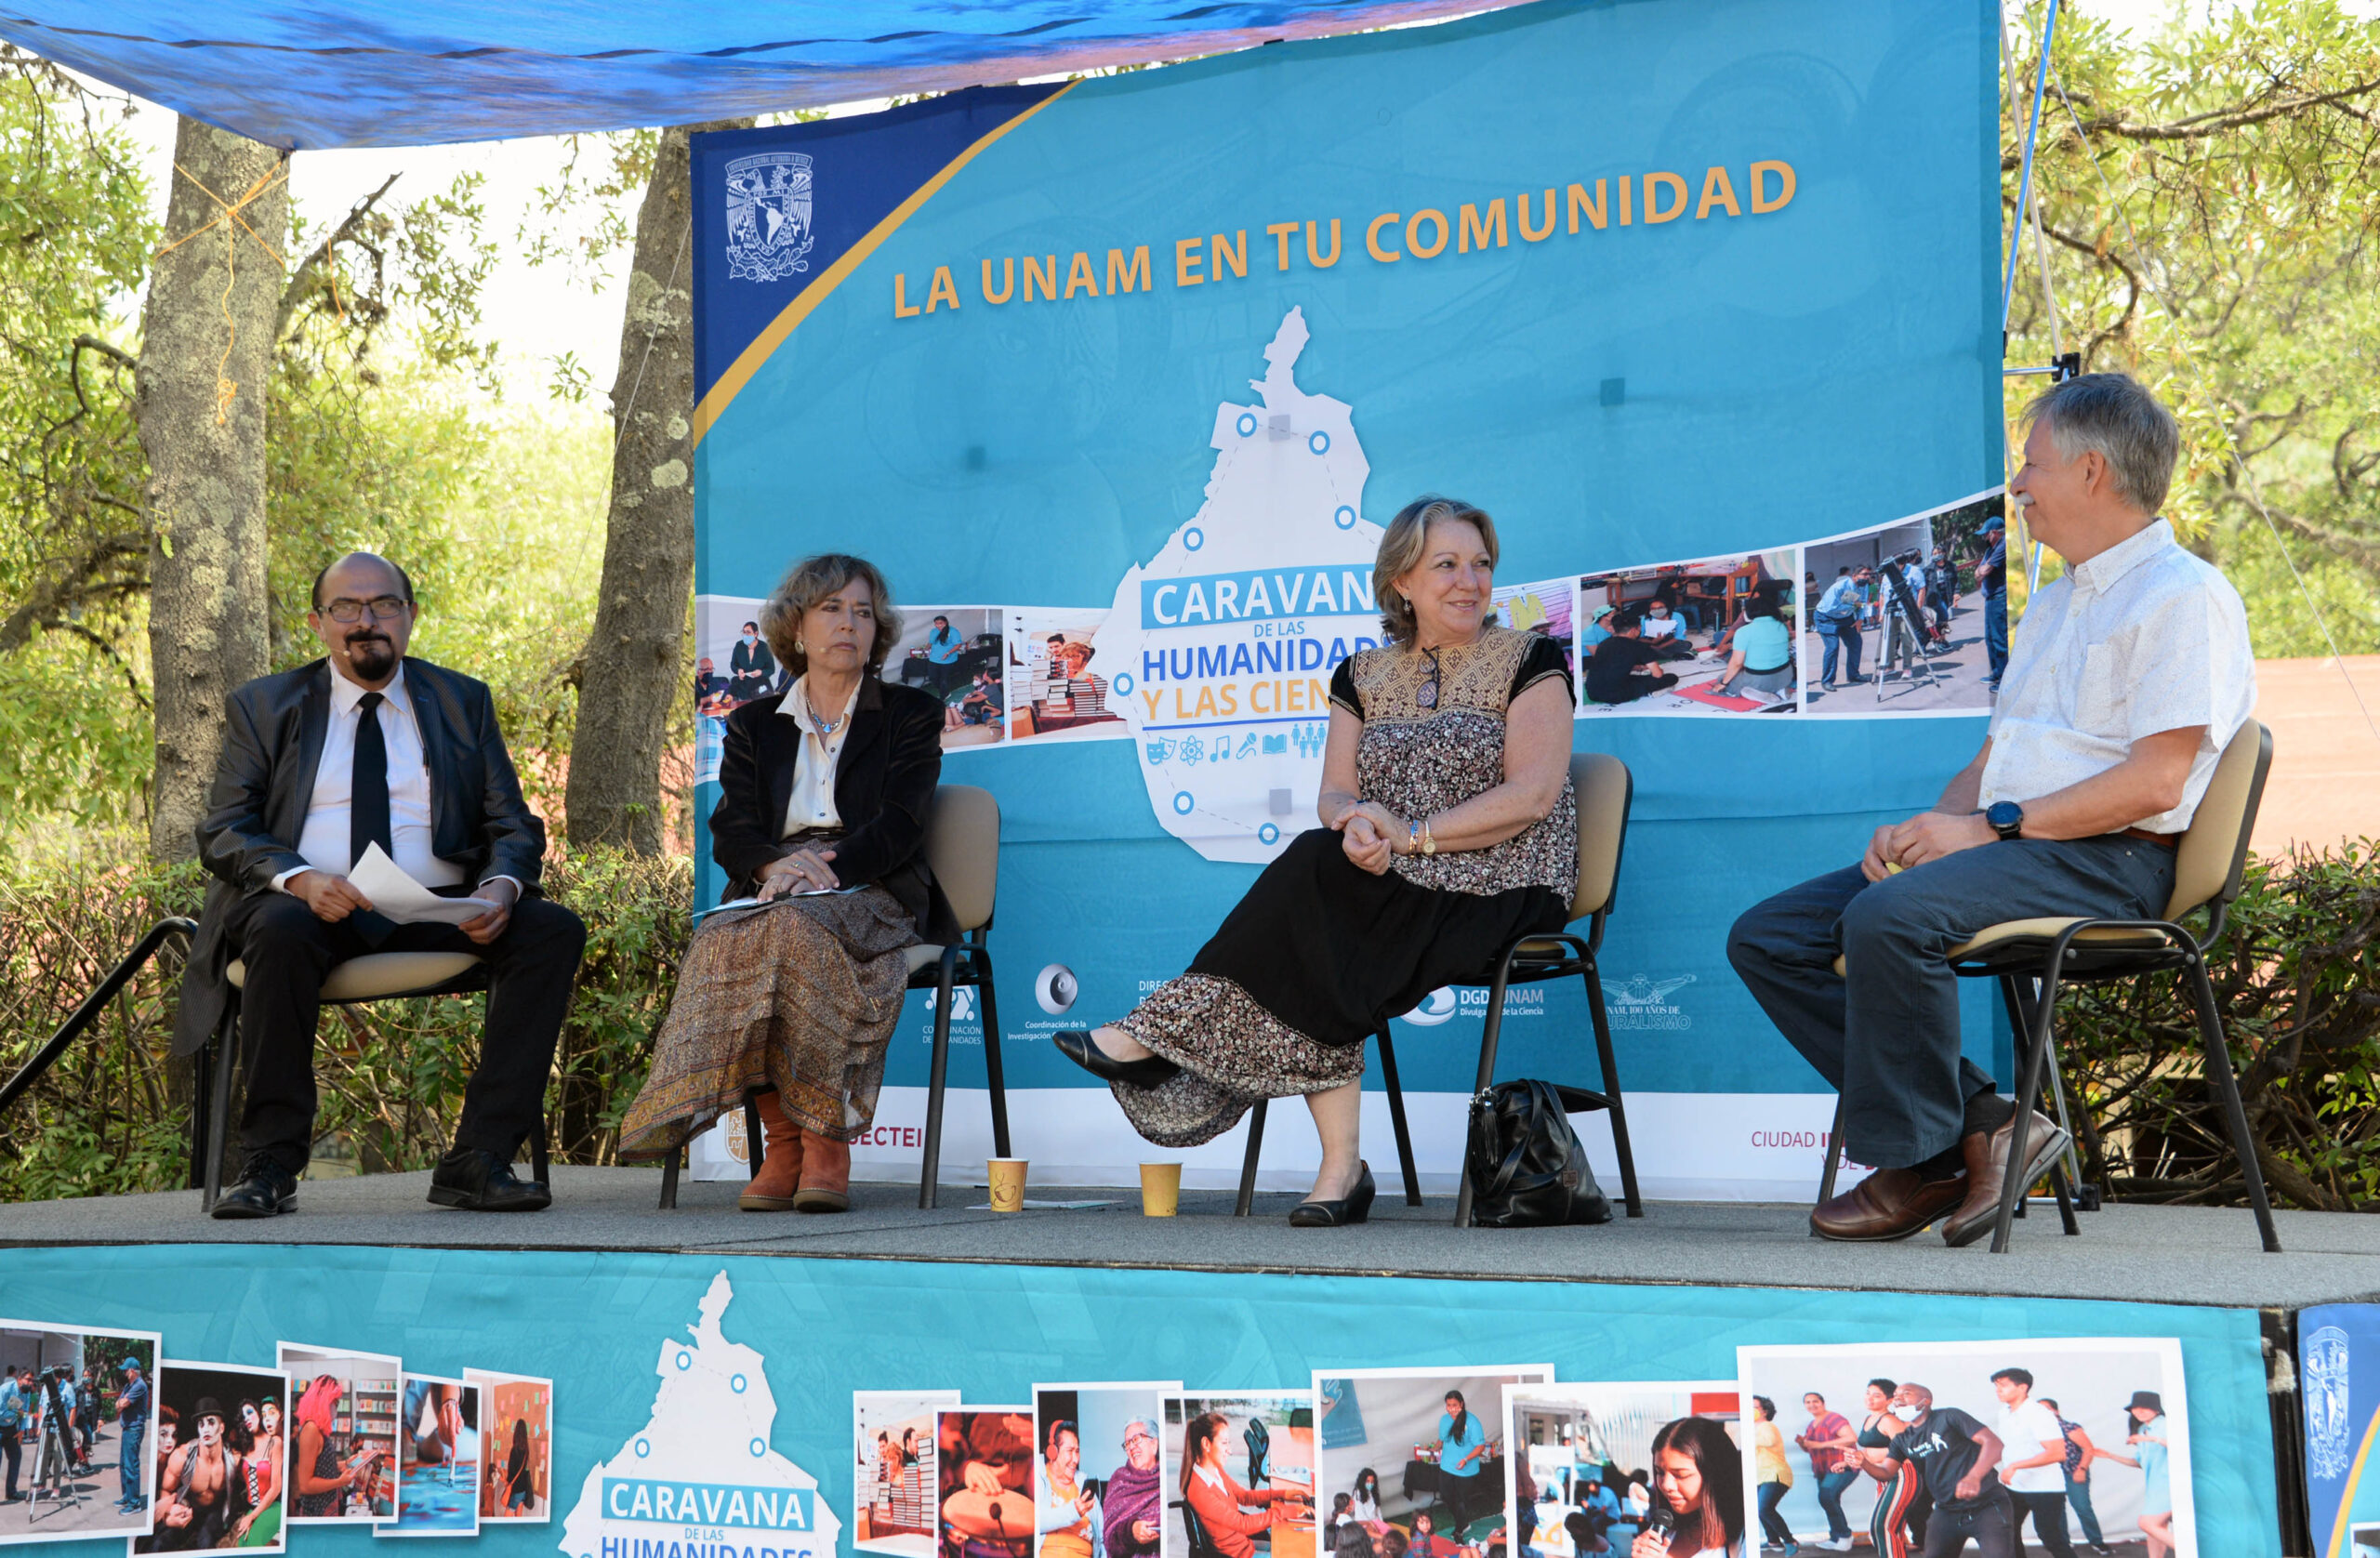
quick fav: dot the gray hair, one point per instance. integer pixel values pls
(1401, 547)
(812, 580)
(2115, 417)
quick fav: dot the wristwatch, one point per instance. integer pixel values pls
(2007, 819)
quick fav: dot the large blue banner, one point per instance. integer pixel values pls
(1117, 379)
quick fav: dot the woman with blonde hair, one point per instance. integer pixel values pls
(1448, 827)
(825, 792)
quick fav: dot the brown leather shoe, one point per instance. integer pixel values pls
(771, 1188)
(826, 1175)
(1888, 1204)
(1988, 1175)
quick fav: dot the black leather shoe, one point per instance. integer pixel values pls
(1078, 1045)
(1355, 1207)
(266, 1189)
(476, 1181)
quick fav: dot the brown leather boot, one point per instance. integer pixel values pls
(771, 1188)
(826, 1175)
(1888, 1204)
(1988, 1171)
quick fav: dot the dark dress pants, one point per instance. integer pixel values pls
(1990, 1526)
(1887, 1036)
(2047, 1511)
(289, 953)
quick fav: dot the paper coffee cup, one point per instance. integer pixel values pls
(1160, 1189)
(1007, 1176)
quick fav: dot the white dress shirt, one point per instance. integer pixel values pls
(2142, 638)
(325, 841)
(812, 801)
(2024, 1428)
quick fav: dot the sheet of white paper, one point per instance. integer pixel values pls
(765, 902)
(395, 893)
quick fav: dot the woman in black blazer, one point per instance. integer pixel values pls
(825, 789)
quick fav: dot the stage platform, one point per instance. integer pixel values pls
(2203, 1256)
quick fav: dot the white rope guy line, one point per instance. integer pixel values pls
(620, 435)
(2248, 477)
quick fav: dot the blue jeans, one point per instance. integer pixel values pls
(1844, 636)
(1772, 1524)
(1830, 1488)
(2078, 1494)
(1887, 1036)
(128, 1453)
(1995, 632)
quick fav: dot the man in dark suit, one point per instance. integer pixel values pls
(363, 747)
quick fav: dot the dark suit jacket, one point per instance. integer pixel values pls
(884, 786)
(264, 781)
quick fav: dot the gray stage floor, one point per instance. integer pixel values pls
(2174, 1254)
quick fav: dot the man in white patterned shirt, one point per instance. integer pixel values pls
(2128, 676)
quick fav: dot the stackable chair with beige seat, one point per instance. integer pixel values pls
(376, 976)
(963, 853)
(1605, 790)
(2032, 958)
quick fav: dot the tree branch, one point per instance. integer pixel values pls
(302, 280)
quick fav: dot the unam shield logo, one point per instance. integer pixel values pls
(768, 217)
(2328, 1426)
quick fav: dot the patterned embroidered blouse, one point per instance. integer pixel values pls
(1434, 738)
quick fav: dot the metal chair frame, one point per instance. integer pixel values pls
(219, 1060)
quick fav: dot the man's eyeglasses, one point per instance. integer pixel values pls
(384, 608)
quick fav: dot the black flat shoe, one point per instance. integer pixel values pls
(1355, 1207)
(476, 1181)
(1078, 1045)
(265, 1190)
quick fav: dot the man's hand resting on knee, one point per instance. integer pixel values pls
(500, 892)
(332, 898)
(1927, 835)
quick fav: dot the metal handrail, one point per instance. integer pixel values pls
(97, 1002)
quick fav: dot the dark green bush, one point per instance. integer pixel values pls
(113, 1114)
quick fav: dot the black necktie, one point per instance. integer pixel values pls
(367, 816)
(368, 791)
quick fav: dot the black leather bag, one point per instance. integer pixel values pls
(1528, 1168)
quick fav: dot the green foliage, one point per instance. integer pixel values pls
(2297, 977)
(112, 1116)
(2211, 200)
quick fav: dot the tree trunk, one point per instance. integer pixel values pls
(205, 377)
(636, 653)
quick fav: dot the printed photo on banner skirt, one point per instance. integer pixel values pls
(517, 1448)
(1589, 1464)
(342, 1434)
(1707, 637)
(1548, 607)
(1057, 685)
(220, 1438)
(1408, 1443)
(438, 1460)
(1908, 618)
(75, 1404)
(893, 1470)
(1095, 1471)
(2028, 1447)
(983, 1469)
(957, 654)
(1237, 1473)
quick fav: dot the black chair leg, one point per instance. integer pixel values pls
(2029, 1059)
(1833, 1154)
(2065, 1198)
(2227, 1086)
(539, 1165)
(1396, 1118)
(1492, 1031)
(202, 1090)
(755, 1147)
(219, 1105)
(2020, 1021)
(931, 1170)
(993, 1072)
(1610, 1062)
(669, 1178)
(1248, 1164)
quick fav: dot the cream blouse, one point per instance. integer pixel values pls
(812, 805)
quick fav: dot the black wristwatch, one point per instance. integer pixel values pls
(2007, 819)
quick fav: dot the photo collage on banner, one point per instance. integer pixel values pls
(983, 1476)
(1821, 1447)
(1239, 1469)
(893, 1462)
(219, 1440)
(347, 1417)
(439, 1455)
(1096, 1456)
(68, 1464)
(516, 1462)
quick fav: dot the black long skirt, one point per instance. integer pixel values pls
(1318, 956)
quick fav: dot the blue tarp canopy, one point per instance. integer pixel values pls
(410, 72)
